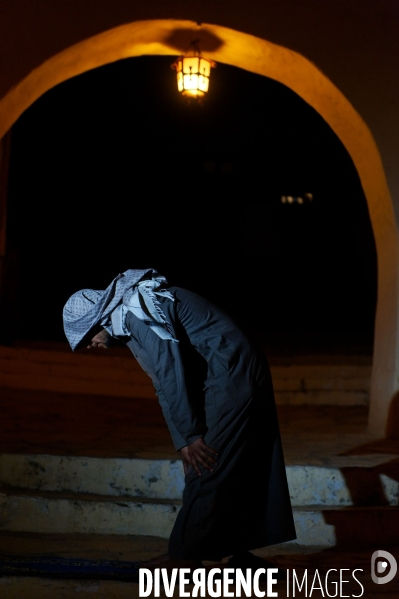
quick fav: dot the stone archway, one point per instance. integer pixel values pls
(170, 37)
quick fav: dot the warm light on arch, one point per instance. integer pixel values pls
(303, 77)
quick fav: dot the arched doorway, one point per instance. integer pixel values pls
(249, 198)
(231, 47)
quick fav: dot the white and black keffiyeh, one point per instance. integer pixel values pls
(133, 290)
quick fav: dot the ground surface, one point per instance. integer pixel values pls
(316, 562)
(38, 422)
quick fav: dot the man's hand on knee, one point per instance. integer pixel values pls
(199, 454)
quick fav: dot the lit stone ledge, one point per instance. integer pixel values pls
(347, 485)
(121, 376)
(161, 479)
(94, 515)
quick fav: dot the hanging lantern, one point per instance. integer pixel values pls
(193, 72)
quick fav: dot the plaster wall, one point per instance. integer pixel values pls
(355, 43)
(352, 42)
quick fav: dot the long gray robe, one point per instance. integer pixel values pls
(214, 383)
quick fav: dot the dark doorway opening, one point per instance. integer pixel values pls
(113, 170)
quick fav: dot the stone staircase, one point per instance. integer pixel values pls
(58, 494)
(349, 502)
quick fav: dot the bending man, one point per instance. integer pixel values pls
(216, 394)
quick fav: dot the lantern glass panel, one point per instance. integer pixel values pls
(205, 67)
(190, 64)
(203, 83)
(190, 81)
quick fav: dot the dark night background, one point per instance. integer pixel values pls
(113, 170)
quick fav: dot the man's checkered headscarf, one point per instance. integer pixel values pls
(88, 308)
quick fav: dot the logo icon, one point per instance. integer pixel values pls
(380, 560)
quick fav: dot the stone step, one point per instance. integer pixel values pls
(153, 479)
(119, 375)
(348, 485)
(56, 513)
